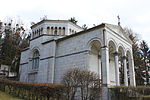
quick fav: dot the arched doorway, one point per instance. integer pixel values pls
(120, 62)
(112, 72)
(129, 67)
(95, 57)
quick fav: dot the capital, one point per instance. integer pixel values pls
(99, 56)
(116, 53)
(124, 57)
(104, 47)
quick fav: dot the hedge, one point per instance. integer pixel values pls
(33, 91)
(48, 91)
(130, 93)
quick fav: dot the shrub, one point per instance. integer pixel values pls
(130, 93)
(32, 91)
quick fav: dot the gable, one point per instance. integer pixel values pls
(119, 30)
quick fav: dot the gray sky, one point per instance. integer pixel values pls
(134, 14)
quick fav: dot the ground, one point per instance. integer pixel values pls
(4, 96)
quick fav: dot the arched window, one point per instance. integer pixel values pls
(36, 33)
(70, 31)
(48, 30)
(41, 31)
(55, 32)
(63, 30)
(52, 31)
(35, 60)
(59, 31)
(33, 34)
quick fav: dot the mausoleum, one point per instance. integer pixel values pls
(59, 45)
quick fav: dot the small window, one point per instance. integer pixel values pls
(35, 60)
(41, 31)
(55, 32)
(33, 34)
(63, 30)
(48, 30)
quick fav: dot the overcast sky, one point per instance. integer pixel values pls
(134, 14)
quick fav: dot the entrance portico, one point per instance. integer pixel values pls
(113, 61)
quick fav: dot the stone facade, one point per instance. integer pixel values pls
(61, 45)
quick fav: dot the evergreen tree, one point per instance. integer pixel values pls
(73, 20)
(145, 56)
(13, 40)
(139, 69)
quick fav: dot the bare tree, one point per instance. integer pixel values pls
(83, 83)
(73, 20)
(71, 82)
(85, 27)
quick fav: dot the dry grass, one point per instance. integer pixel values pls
(4, 96)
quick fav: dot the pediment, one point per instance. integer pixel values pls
(119, 30)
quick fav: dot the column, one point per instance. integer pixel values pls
(125, 71)
(132, 72)
(62, 31)
(105, 73)
(105, 67)
(41, 31)
(99, 67)
(49, 31)
(117, 69)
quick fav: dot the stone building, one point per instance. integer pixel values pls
(5, 71)
(59, 45)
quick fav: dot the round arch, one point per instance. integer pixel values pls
(121, 49)
(121, 56)
(94, 47)
(92, 41)
(128, 52)
(112, 48)
(33, 50)
(113, 43)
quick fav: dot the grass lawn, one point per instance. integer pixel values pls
(4, 96)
